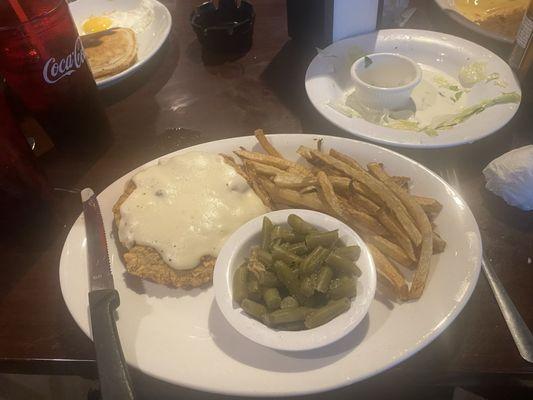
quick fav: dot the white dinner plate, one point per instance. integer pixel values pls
(181, 336)
(328, 77)
(148, 41)
(453, 12)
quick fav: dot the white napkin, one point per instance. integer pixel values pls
(510, 176)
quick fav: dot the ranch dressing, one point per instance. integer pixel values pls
(186, 207)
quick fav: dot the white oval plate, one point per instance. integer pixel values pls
(181, 336)
(328, 77)
(453, 12)
(148, 42)
(237, 248)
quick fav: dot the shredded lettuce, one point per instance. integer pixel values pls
(504, 98)
(403, 124)
(402, 119)
(472, 73)
(492, 77)
(344, 110)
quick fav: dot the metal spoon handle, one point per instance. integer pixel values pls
(522, 336)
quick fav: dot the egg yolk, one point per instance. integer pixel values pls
(97, 24)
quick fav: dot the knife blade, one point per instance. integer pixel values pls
(115, 382)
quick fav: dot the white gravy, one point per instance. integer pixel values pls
(186, 207)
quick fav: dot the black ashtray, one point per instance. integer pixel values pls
(228, 28)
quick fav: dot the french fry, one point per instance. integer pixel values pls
(367, 222)
(389, 249)
(389, 273)
(402, 181)
(293, 198)
(439, 244)
(388, 222)
(290, 181)
(428, 204)
(330, 197)
(277, 162)
(299, 182)
(258, 188)
(305, 152)
(319, 143)
(231, 162)
(316, 165)
(264, 169)
(307, 189)
(358, 201)
(421, 219)
(249, 175)
(344, 211)
(376, 186)
(359, 188)
(265, 144)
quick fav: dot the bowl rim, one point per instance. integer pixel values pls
(411, 84)
(291, 340)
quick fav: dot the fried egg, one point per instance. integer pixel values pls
(137, 19)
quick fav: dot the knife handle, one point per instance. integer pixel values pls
(115, 383)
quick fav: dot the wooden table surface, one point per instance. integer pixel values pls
(184, 97)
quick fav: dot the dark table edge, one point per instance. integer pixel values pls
(42, 366)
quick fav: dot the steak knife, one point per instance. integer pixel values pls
(115, 382)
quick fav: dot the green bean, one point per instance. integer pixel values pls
(291, 237)
(276, 242)
(325, 314)
(276, 232)
(265, 257)
(288, 302)
(345, 287)
(307, 288)
(289, 279)
(342, 265)
(298, 248)
(253, 308)
(286, 235)
(272, 298)
(279, 253)
(240, 290)
(266, 233)
(269, 280)
(316, 300)
(324, 239)
(324, 279)
(311, 263)
(287, 315)
(349, 252)
(254, 290)
(299, 225)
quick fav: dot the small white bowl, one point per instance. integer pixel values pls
(238, 246)
(385, 80)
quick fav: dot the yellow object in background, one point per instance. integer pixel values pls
(96, 24)
(501, 16)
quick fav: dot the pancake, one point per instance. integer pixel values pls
(146, 263)
(111, 51)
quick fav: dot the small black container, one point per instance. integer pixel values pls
(228, 28)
